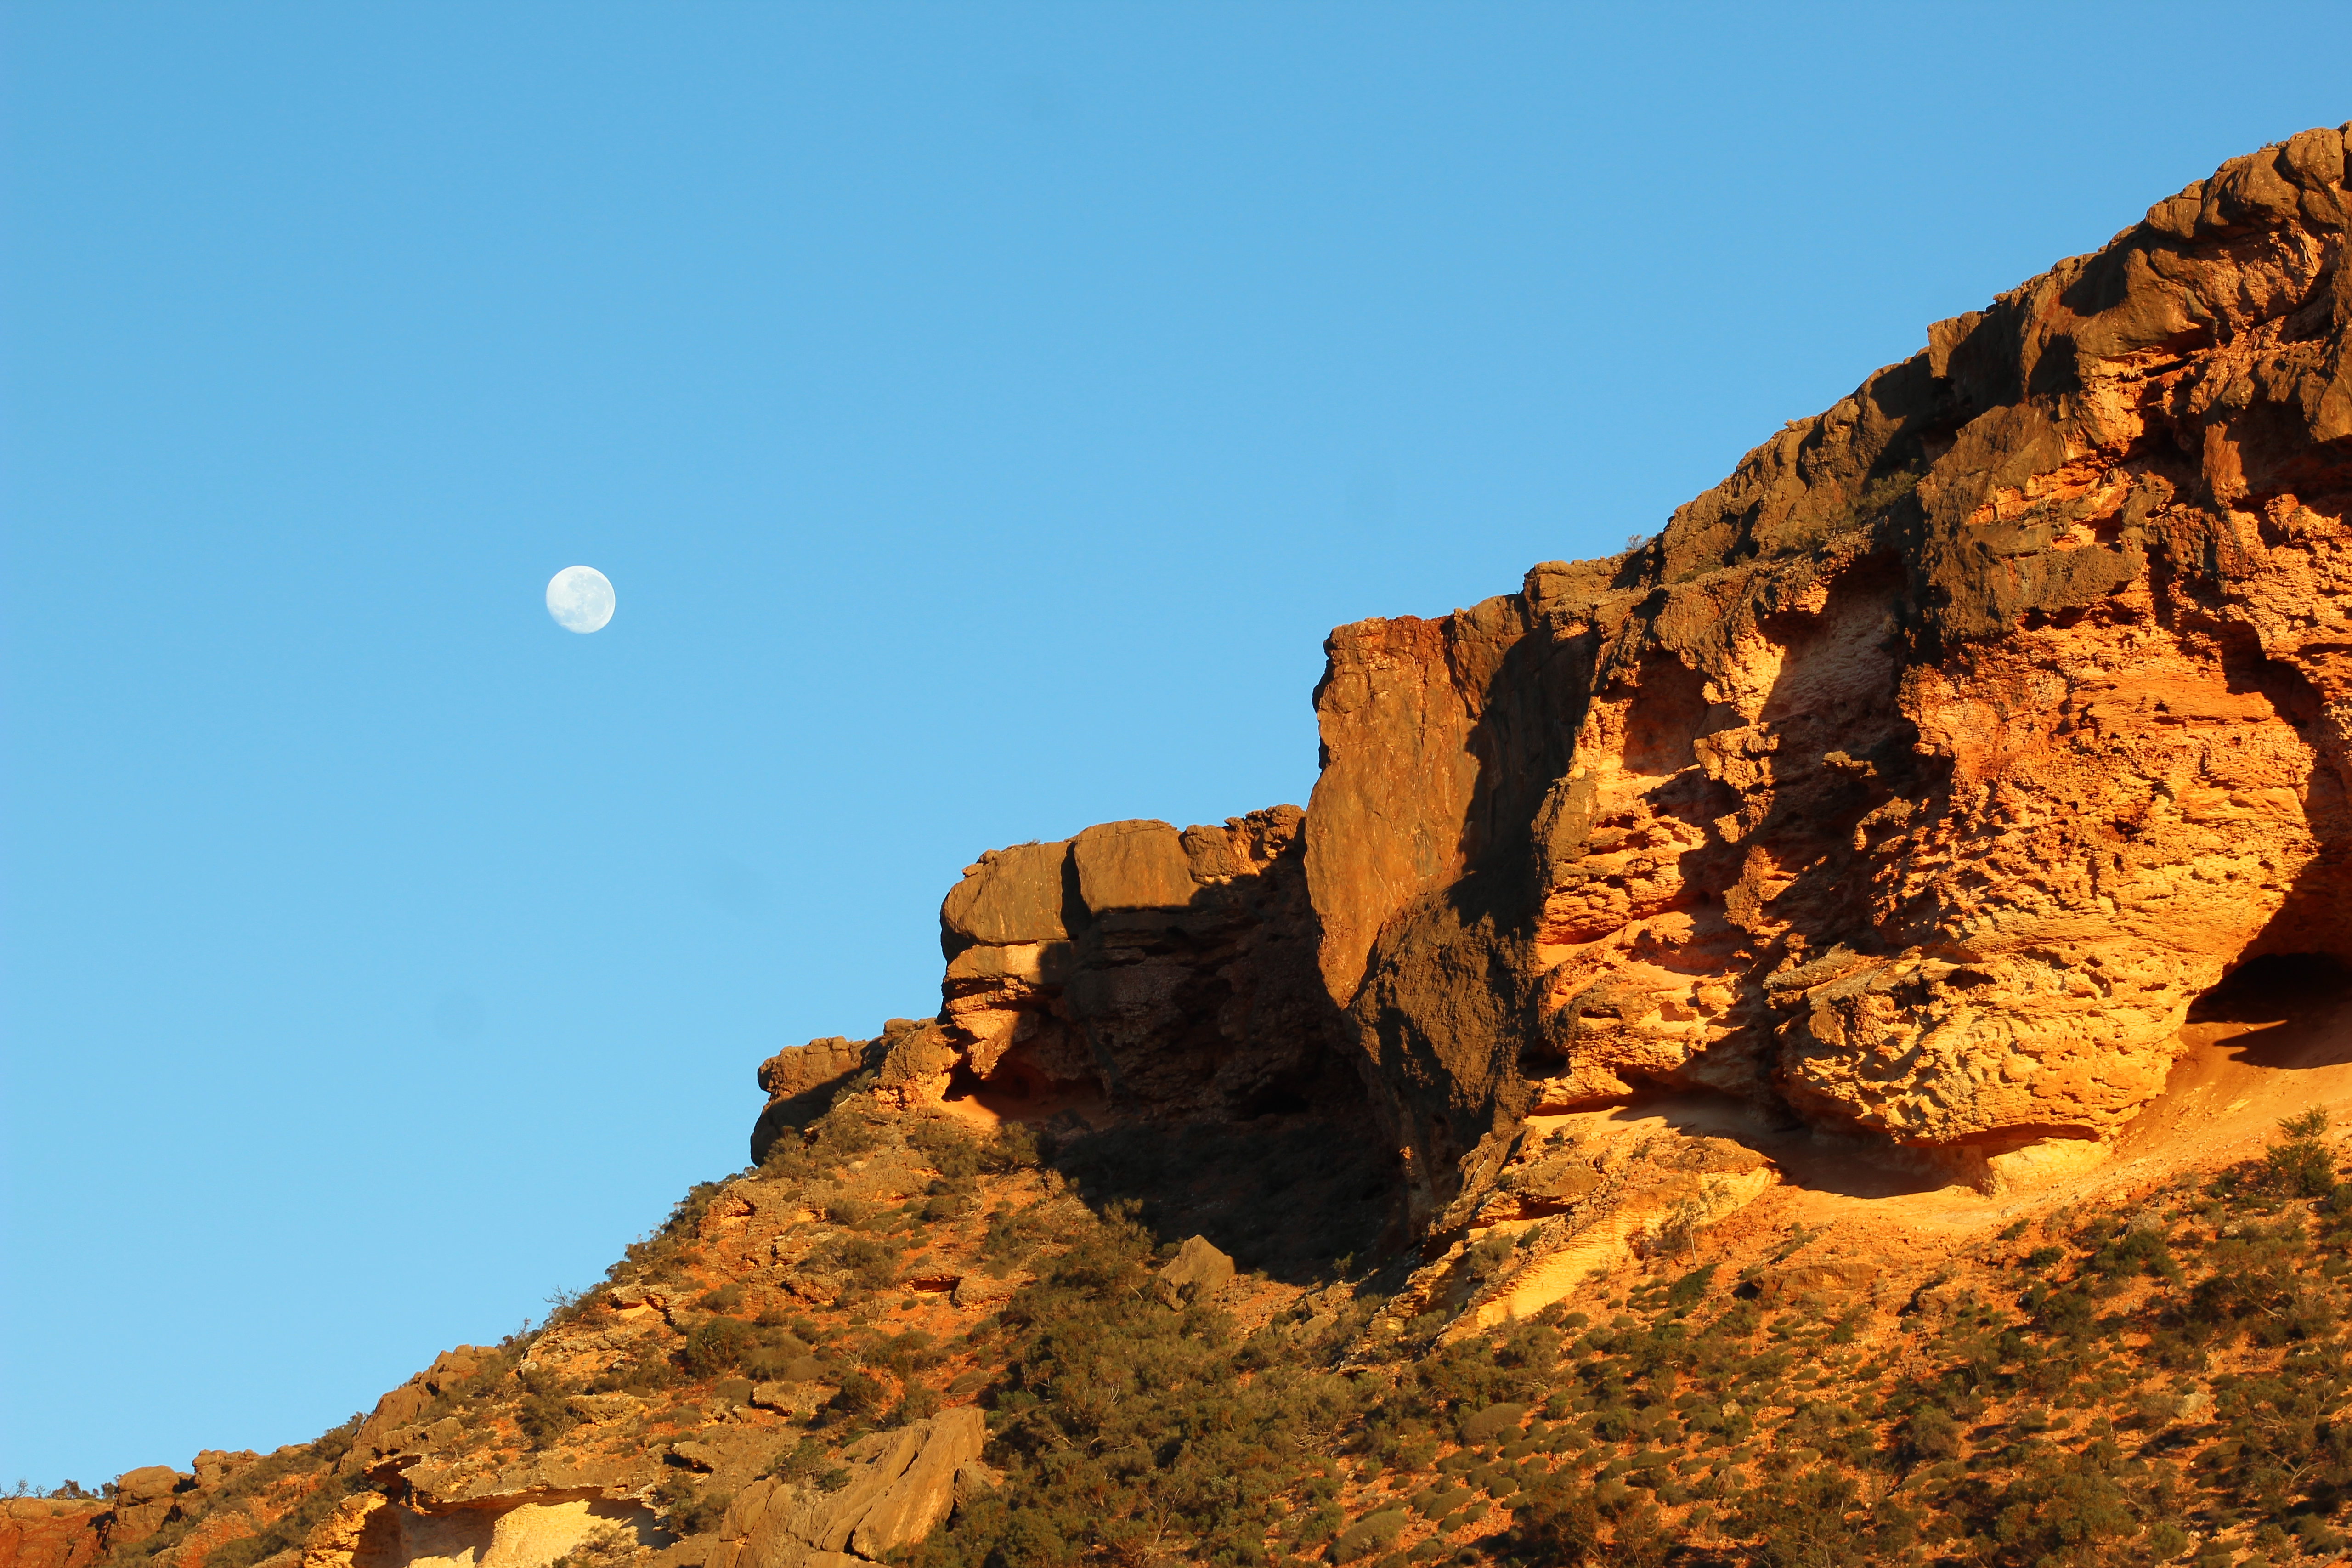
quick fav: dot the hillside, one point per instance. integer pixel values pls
(1812, 1041)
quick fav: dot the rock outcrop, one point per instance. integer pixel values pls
(1914, 780)
(903, 1483)
(1134, 967)
(1921, 774)
(50, 1532)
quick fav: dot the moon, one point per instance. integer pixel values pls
(580, 598)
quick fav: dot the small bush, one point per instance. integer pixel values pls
(860, 1394)
(716, 1346)
(1373, 1532)
(545, 1417)
(1491, 1423)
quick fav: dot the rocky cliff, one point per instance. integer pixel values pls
(1914, 781)
(1893, 809)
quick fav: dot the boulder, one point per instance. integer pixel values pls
(974, 1479)
(1132, 866)
(1197, 1271)
(902, 1483)
(921, 1497)
(975, 1289)
(1011, 896)
(215, 1466)
(148, 1483)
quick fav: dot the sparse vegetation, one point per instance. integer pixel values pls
(2160, 1380)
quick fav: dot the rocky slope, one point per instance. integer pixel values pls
(1882, 833)
(1916, 780)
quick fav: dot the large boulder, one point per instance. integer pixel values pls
(1198, 1271)
(901, 1484)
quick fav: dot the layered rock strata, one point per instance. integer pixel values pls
(1133, 967)
(1916, 778)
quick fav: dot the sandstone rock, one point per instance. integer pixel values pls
(802, 1081)
(695, 1456)
(1129, 868)
(215, 1466)
(50, 1532)
(1012, 895)
(921, 1497)
(824, 1522)
(749, 1505)
(340, 1539)
(1921, 773)
(143, 1503)
(1178, 977)
(1197, 1272)
(794, 1398)
(1913, 780)
(974, 1479)
(903, 1482)
(1832, 1279)
(147, 1483)
(975, 1289)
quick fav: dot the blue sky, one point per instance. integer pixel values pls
(982, 413)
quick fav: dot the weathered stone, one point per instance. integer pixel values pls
(147, 1483)
(1914, 779)
(791, 1398)
(215, 1466)
(824, 1522)
(1011, 896)
(975, 1290)
(2011, 683)
(974, 1479)
(1830, 1279)
(921, 1497)
(1132, 866)
(1187, 986)
(1197, 1272)
(50, 1532)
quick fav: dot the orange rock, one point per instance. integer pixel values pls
(1914, 779)
(1923, 772)
(50, 1532)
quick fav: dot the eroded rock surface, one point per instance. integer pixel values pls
(1916, 778)
(903, 1484)
(1133, 968)
(1920, 774)
(50, 1532)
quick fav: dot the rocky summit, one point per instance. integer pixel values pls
(1807, 1041)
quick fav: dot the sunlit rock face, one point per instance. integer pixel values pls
(1912, 781)
(1919, 775)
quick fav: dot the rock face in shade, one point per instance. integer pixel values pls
(1916, 778)
(1133, 967)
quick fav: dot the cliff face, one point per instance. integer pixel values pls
(1913, 781)
(1920, 774)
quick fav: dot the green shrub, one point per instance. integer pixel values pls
(1491, 1423)
(544, 1416)
(1373, 1532)
(716, 1345)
